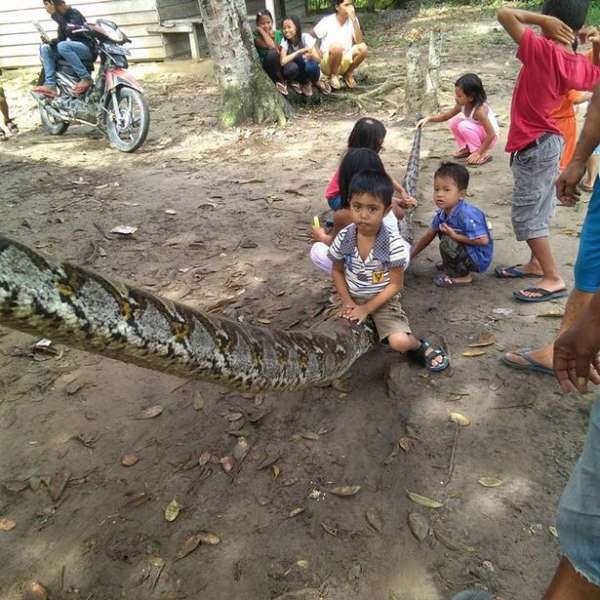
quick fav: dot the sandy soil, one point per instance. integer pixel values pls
(243, 201)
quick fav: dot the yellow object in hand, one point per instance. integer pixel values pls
(316, 223)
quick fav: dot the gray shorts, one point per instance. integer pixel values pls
(535, 171)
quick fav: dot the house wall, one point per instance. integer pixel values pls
(19, 41)
(177, 9)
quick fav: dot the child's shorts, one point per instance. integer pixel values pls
(344, 65)
(535, 170)
(388, 319)
(587, 267)
(578, 519)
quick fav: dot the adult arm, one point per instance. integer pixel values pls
(515, 23)
(361, 311)
(482, 115)
(588, 140)
(288, 58)
(358, 34)
(445, 116)
(425, 240)
(265, 40)
(576, 351)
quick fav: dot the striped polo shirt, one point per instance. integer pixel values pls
(370, 276)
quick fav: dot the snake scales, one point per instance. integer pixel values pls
(79, 308)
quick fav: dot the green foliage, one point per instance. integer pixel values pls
(326, 5)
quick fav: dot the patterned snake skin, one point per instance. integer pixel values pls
(85, 310)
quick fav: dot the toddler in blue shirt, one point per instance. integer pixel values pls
(466, 244)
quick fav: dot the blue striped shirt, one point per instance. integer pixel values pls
(370, 276)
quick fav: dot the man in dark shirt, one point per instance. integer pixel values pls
(77, 49)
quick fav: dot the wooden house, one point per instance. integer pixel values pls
(159, 29)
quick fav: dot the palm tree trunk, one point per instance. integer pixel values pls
(248, 94)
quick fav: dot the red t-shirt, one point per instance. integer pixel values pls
(547, 75)
(333, 189)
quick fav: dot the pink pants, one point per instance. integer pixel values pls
(469, 134)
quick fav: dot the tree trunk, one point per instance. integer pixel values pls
(413, 83)
(248, 93)
(432, 78)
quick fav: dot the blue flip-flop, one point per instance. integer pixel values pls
(533, 366)
(544, 295)
(514, 273)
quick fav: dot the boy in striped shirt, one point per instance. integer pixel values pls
(369, 260)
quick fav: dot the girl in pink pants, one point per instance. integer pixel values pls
(472, 121)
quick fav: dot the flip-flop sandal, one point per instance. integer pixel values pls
(461, 154)
(514, 273)
(350, 83)
(445, 281)
(421, 357)
(282, 88)
(544, 295)
(532, 366)
(482, 161)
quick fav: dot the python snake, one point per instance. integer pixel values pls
(82, 309)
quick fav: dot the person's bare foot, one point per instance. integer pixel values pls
(334, 80)
(546, 283)
(543, 356)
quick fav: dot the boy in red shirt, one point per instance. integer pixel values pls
(550, 69)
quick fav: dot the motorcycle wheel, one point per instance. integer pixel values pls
(131, 133)
(51, 124)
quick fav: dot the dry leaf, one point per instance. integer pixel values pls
(490, 482)
(276, 471)
(330, 530)
(150, 413)
(483, 339)
(128, 460)
(459, 419)
(406, 443)
(198, 402)
(264, 321)
(124, 229)
(424, 501)
(7, 524)
(552, 315)
(241, 449)
(374, 520)
(345, 490)
(138, 500)
(209, 538)
(204, 457)
(296, 512)
(172, 511)
(271, 458)
(227, 464)
(303, 564)
(15, 486)
(418, 525)
(58, 483)
(473, 353)
(341, 385)
(451, 543)
(553, 531)
(34, 590)
(188, 546)
(309, 435)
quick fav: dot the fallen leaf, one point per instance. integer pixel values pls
(341, 385)
(188, 546)
(34, 590)
(553, 531)
(58, 483)
(270, 459)
(424, 501)
(205, 473)
(7, 524)
(303, 564)
(276, 471)
(485, 338)
(459, 419)
(490, 482)
(451, 543)
(345, 490)
(390, 457)
(124, 229)
(419, 525)
(150, 413)
(138, 500)
(128, 460)
(209, 538)
(473, 353)
(241, 449)
(15, 486)
(172, 511)
(198, 402)
(296, 512)
(309, 435)
(374, 520)
(234, 416)
(227, 464)
(330, 530)
(204, 457)
(406, 443)
(552, 314)
(264, 321)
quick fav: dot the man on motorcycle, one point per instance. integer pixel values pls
(76, 49)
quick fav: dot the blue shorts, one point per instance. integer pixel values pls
(578, 519)
(587, 267)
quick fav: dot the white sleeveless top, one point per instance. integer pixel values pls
(491, 117)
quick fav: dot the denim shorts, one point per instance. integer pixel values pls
(578, 519)
(534, 195)
(587, 267)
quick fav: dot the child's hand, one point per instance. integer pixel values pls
(407, 201)
(558, 31)
(319, 235)
(422, 122)
(451, 233)
(356, 313)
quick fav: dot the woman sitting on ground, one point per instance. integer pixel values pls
(267, 41)
(300, 58)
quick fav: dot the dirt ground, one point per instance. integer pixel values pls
(234, 239)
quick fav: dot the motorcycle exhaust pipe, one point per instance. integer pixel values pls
(49, 109)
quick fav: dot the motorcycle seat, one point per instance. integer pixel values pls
(62, 64)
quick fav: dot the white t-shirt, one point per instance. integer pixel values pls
(331, 33)
(308, 41)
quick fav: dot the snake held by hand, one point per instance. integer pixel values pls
(85, 310)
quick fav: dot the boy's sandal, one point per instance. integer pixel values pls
(282, 88)
(514, 273)
(12, 126)
(323, 86)
(350, 82)
(297, 88)
(425, 359)
(445, 281)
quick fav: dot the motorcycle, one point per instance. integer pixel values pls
(115, 102)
